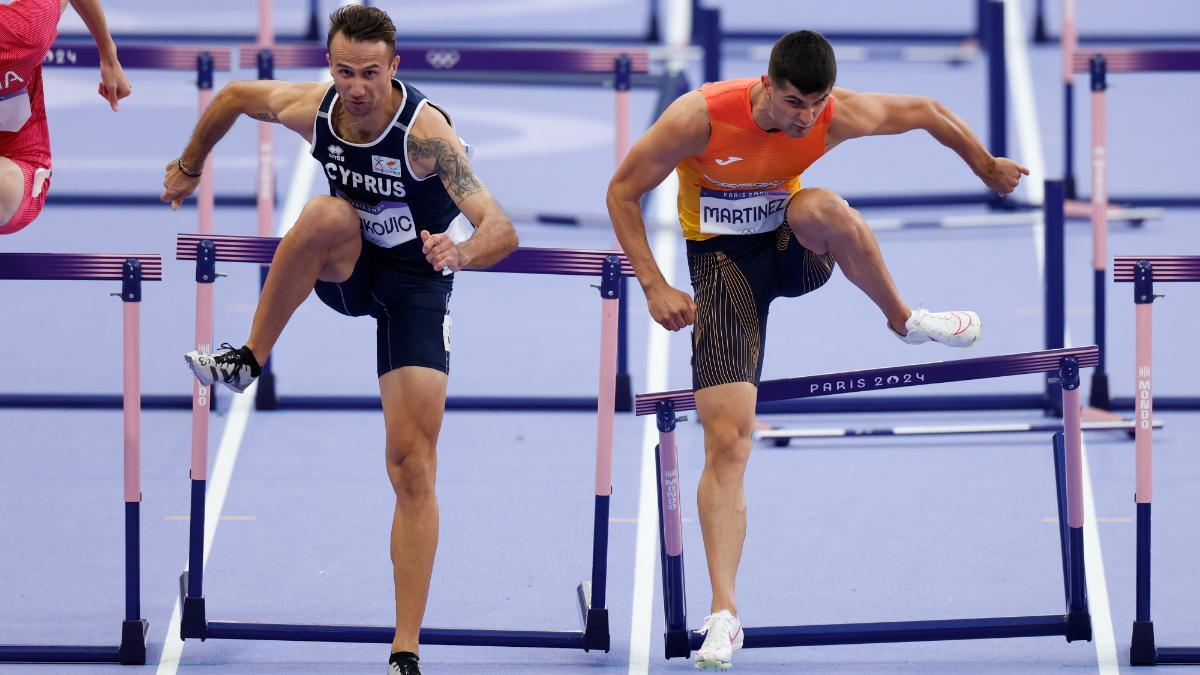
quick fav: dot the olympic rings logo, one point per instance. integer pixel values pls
(442, 58)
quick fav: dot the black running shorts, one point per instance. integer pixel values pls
(734, 280)
(412, 313)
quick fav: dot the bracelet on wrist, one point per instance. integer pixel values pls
(184, 170)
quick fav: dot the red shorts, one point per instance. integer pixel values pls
(37, 184)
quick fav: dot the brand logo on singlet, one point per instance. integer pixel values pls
(388, 166)
(11, 77)
(728, 160)
(336, 153)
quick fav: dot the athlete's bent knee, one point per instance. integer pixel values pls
(328, 220)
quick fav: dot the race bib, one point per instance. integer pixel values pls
(742, 211)
(14, 110)
(386, 224)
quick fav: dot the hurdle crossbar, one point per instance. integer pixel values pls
(611, 267)
(131, 271)
(1074, 624)
(1143, 271)
(245, 249)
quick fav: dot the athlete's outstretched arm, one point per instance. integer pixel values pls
(860, 114)
(292, 105)
(114, 86)
(682, 130)
(434, 147)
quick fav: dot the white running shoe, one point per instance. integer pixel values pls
(234, 368)
(723, 634)
(953, 329)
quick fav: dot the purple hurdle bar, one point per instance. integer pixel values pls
(1143, 272)
(611, 267)
(1074, 624)
(131, 271)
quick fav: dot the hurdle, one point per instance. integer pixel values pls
(620, 69)
(131, 271)
(1143, 272)
(1075, 624)
(1099, 64)
(204, 60)
(611, 267)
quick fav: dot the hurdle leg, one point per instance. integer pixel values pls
(1142, 650)
(1079, 622)
(191, 583)
(592, 595)
(670, 530)
(132, 650)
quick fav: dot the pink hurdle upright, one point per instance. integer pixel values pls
(131, 271)
(1143, 272)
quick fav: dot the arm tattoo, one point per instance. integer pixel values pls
(264, 117)
(452, 166)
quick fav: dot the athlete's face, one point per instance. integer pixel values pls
(362, 73)
(791, 111)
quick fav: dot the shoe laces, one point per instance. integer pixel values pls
(713, 621)
(405, 667)
(232, 355)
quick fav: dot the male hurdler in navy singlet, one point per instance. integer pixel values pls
(385, 242)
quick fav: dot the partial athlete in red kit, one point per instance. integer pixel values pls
(27, 29)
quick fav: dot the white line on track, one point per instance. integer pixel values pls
(665, 246)
(1029, 140)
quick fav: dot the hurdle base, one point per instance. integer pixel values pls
(899, 631)
(132, 651)
(678, 643)
(456, 637)
(595, 620)
(1079, 626)
(193, 622)
(57, 654)
(1179, 655)
(1142, 651)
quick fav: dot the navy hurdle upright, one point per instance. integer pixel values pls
(1074, 623)
(611, 267)
(131, 271)
(1143, 272)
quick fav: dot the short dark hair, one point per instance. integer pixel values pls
(362, 24)
(805, 59)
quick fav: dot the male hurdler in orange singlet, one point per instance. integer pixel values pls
(753, 235)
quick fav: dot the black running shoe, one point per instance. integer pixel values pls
(404, 663)
(234, 368)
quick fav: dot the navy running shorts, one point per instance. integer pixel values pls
(412, 313)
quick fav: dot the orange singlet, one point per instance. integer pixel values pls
(742, 181)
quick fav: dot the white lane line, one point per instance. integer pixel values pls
(1029, 140)
(1020, 83)
(665, 245)
(214, 501)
